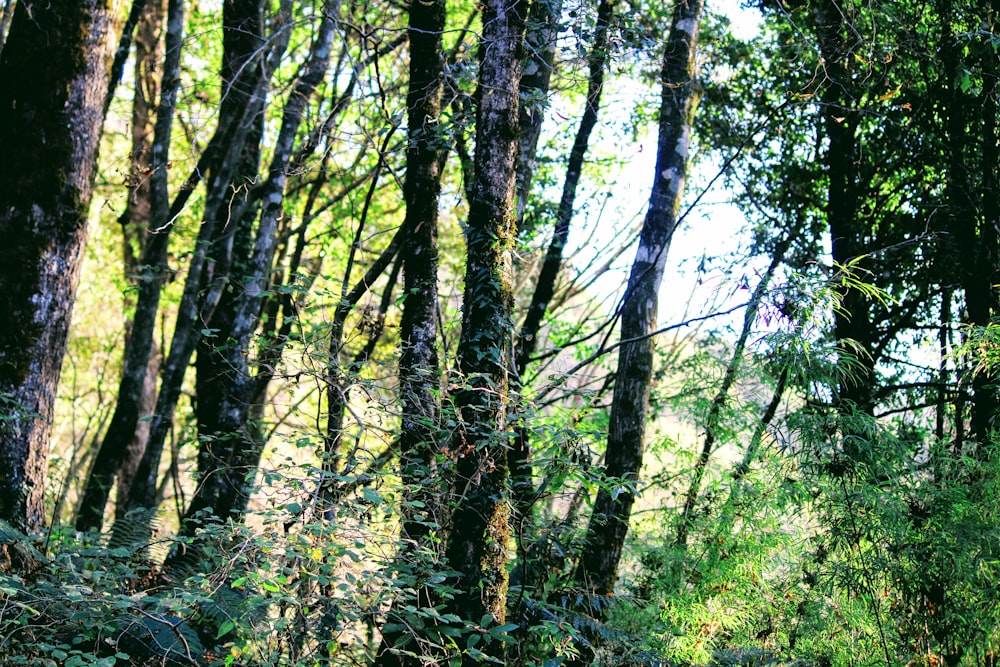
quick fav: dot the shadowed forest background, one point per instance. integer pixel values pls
(330, 335)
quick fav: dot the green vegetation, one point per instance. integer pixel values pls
(349, 380)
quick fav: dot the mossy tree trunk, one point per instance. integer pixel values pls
(54, 72)
(478, 541)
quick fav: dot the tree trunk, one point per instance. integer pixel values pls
(541, 32)
(477, 543)
(148, 55)
(598, 567)
(418, 364)
(132, 389)
(51, 113)
(221, 160)
(545, 288)
(6, 16)
(222, 384)
(230, 447)
(853, 327)
(419, 375)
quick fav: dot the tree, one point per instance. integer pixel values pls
(477, 541)
(231, 448)
(146, 218)
(609, 521)
(51, 113)
(419, 372)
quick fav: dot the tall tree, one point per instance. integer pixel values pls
(597, 569)
(849, 233)
(477, 543)
(155, 224)
(419, 375)
(231, 446)
(243, 91)
(54, 72)
(545, 287)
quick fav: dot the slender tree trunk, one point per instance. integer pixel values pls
(231, 448)
(980, 279)
(605, 538)
(135, 220)
(477, 543)
(148, 55)
(336, 379)
(545, 288)
(712, 421)
(853, 327)
(220, 159)
(217, 382)
(541, 32)
(419, 375)
(132, 389)
(51, 113)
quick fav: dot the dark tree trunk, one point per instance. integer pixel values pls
(545, 288)
(972, 212)
(983, 283)
(230, 447)
(148, 55)
(477, 543)
(853, 327)
(598, 566)
(132, 388)
(540, 34)
(51, 113)
(419, 375)
(223, 386)
(221, 160)
(419, 383)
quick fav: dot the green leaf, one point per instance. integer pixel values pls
(225, 628)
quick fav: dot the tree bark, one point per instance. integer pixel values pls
(597, 569)
(220, 161)
(541, 32)
(418, 364)
(132, 390)
(223, 389)
(419, 374)
(853, 327)
(230, 447)
(527, 339)
(53, 75)
(478, 541)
